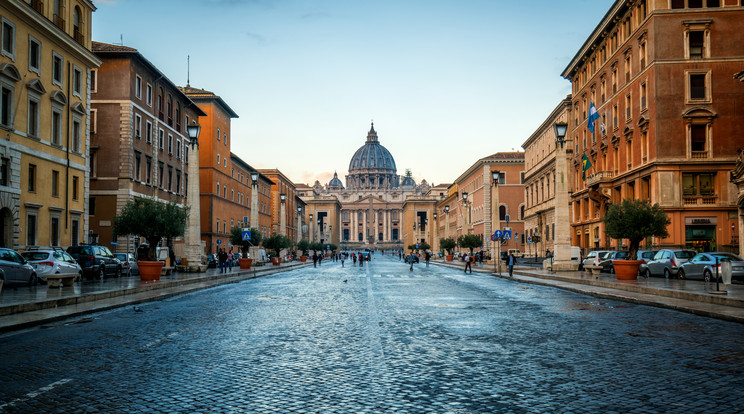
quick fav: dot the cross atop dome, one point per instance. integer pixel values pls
(372, 134)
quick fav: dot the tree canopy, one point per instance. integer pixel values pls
(635, 220)
(236, 238)
(153, 220)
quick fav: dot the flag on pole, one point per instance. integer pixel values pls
(593, 116)
(585, 165)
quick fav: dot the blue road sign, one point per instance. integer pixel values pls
(529, 240)
(219, 242)
(507, 234)
(246, 234)
(498, 234)
(493, 237)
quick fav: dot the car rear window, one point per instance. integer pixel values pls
(684, 254)
(728, 256)
(77, 250)
(35, 255)
(648, 255)
(621, 255)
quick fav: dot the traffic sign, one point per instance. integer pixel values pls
(493, 237)
(507, 218)
(529, 240)
(246, 234)
(219, 242)
(507, 235)
(498, 234)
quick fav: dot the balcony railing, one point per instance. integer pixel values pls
(59, 21)
(599, 177)
(700, 200)
(38, 5)
(699, 155)
(78, 35)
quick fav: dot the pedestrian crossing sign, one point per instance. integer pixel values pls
(246, 234)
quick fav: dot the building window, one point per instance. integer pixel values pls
(178, 182)
(698, 140)
(643, 96)
(137, 166)
(161, 139)
(218, 159)
(697, 87)
(56, 126)
(218, 134)
(5, 172)
(225, 137)
(75, 232)
(55, 183)
(6, 105)
(76, 135)
(8, 41)
(178, 149)
(148, 95)
(31, 178)
(58, 69)
(148, 171)
(33, 115)
(698, 184)
(77, 81)
(31, 226)
(94, 80)
(34, 55)
(161, 173)
(170, 178)
(137, 126)
(628, 108)
(138, 87)
(148, 132)
(54, 231)
(170, 144)
(628, 72)
(92, 206)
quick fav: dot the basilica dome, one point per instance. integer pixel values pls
(372, 166)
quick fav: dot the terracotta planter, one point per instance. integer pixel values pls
(303, 259)
(276, 261)
(450, 257)
(245, 263)
(626, 269)
(150, 270)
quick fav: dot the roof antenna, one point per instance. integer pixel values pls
(188, 70)
(121, 39)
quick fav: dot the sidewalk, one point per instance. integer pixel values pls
(693, 296)
(27, 306)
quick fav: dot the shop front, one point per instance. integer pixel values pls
(700, 233)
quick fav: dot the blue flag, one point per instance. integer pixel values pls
(593, 116)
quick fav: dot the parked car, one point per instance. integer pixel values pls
(52, 261)
(129, 265)
(606, 260)
(212, 261)
(594, 258)
(645, 256)
(96, 261)
(14, 269)
(516, 252)
(703, 266)
(667, 262)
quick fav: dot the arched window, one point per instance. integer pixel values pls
(521, 212)
(77, 25)
(160, 104)
(59, 21)
(502, 213)
(178, 116)
(169, 109)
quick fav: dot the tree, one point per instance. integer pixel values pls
(447, 244)
(276, 242)
(470, 241)
(153, 220)
(317, 246)
(303, 245)
(424, 246)
(411, 247)
(236, 238)
(635, 220)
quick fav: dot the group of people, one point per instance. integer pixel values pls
(225, 260)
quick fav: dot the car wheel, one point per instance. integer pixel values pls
(681, 274)
(707, 276)
(118, 272)
(102, 272)
(667, 274)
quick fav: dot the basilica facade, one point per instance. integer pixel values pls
(366, 212)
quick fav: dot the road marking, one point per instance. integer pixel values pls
(34, 394)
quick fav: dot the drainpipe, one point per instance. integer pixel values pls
(67, 150)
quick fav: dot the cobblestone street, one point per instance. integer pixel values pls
(377, 339)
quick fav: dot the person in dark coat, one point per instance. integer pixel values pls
(222, 256)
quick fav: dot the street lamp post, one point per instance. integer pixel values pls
(298, 225)
(254, 201)
(465, 203)
(192, 238)
(311, 233)
(496, 220)
(283, 215)
(562, 237)
(446, 222)
(426, 230)
(435, 241)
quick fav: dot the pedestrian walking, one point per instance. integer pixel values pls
(361, 260)
(222, 257)
(512, 259)
(354, 258)
(343, 257)
(467, 263)
(320, 259)
(315, 260)
(427, 256)
(230, 260)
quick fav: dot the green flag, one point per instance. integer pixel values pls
(585, 165)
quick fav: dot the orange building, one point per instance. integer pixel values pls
(224, 179)
(284, 203)
(659, 75)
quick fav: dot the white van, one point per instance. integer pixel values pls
(516, 252)
(576, 255)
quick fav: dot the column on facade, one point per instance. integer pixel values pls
(364, 225)
(385, 226)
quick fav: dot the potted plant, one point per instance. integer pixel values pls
(317, 247)
(153, 220)
(470, 241)
(276, 242)
(448, 244)
(236, 238)
(634, 220)
(303, 246)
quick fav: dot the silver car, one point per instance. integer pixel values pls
(667, 262)
(129, 265)
(703, 266)
(15, 269)
(594, 258)
(51, 262)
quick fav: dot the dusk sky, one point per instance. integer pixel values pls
(446, 81)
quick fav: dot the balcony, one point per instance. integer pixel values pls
(700, 200)
(59, 21)
(598, 178)
(78, 35)
(38, 5)
(699, 155)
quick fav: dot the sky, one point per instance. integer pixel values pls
(446, 82)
